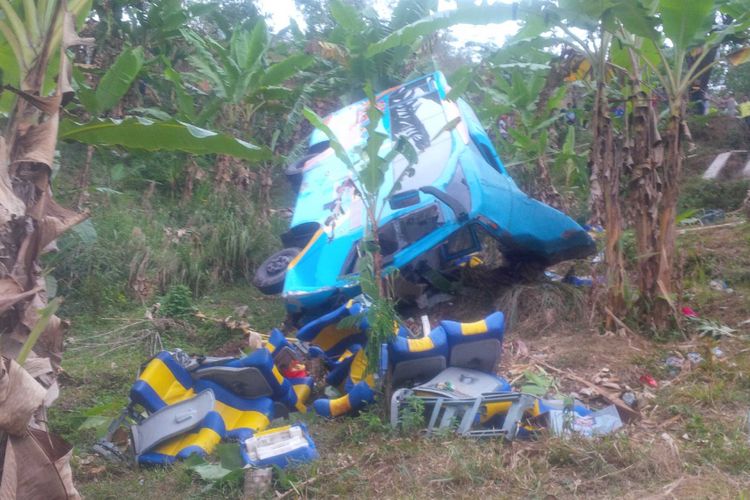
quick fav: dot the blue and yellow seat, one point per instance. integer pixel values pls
(338, 370)
(417, 360)
(331, 338)
(232, 418)
(260, 376)
(277, 342)
(241, 417)
(476, 345)
(360, 395)
(162, 382)
(201, 441)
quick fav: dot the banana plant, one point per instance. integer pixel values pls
(236, 76)
(677, 55)
(369, 163)
(34, 37)
(362, 47)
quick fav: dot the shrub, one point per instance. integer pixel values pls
(177, 303)
(701, 193)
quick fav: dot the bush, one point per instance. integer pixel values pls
(701, 193)
(177, 303)
(226, 241)
(128, 252)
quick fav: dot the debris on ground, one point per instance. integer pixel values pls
(279, 447)
(720, 286)
(649, 380)
(444, 381)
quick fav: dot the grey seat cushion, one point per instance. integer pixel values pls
(246, 382)
(482, 355)
(417, 370)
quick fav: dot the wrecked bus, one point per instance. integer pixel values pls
(459, 194)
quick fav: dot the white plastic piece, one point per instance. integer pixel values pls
(426, 328)
(275, 444)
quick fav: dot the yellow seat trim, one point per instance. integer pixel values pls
(474, 328)
(340, 406)
(241, 419)
(420, 345)
(161, 379)
(331, 335)
(205, 438)
(490, 410)
(272, 431)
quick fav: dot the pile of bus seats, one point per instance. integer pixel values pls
(192, 403)
(339, 338)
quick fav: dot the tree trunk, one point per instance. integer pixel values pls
(30, 221)
(655, 172)
(83, 179)
(596, 160)
(544, 189)
(663, 305)
(222, 173)
(606, 168)
(645, 193)
(266, 183)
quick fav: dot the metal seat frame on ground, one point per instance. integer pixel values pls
(446, 412)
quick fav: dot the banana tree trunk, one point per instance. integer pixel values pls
(645, 192)
(30, 222)
(606, 169)
(663, 304)
(544, 189)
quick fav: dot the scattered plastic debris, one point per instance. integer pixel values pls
(674, 365)
(281, 447)
(579, 280)
(553, 276)
(570, 279)
(647, 379)
(630, 399)
(598, 423)
(716, 351)
(695, 358)
(688, 312)
(720, 286)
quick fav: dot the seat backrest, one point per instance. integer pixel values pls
(254, 375)
(415, 371)
(241, 416)
(338, 370)
(481, 355)
(476, 345)
(162, 382)
(247, 382)
(358, 372)
(417, 360)
(325, 332)
(276, 342)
